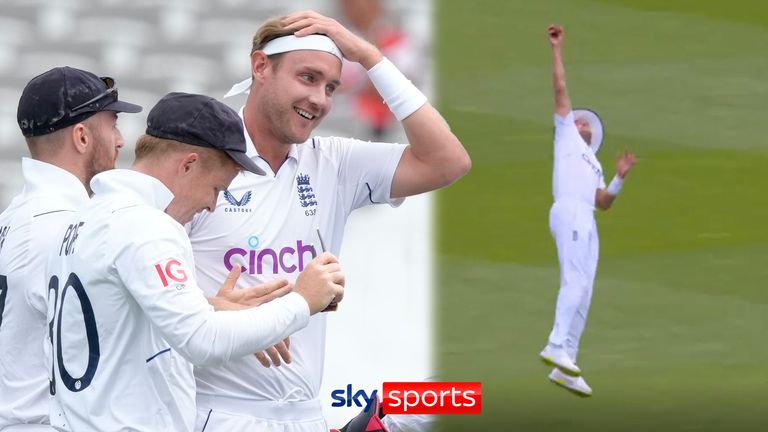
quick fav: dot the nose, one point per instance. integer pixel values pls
(120, 141)
(212, 204)
(318, 98)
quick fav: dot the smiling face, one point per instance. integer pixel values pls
(298, 93)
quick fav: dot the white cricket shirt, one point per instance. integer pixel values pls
(28, 230)
(268, 223)
(577, 174)
(129, 317)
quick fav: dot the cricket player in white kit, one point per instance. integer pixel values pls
(270, 223)
(68, 118)
(578, 187)
(128, 318)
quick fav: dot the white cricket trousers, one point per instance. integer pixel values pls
(575, 232)
(225, 414)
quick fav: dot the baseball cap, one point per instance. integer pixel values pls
(64, 96)
(202, 121)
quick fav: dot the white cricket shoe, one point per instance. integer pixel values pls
(575, 385)
(557, 357)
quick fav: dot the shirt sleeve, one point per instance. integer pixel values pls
(567, 138)
(33, 280)
(45, 234)
(366, 170)
(158, 272)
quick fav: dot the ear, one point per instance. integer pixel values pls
(81, 137)
(188, 163)
(259, 65)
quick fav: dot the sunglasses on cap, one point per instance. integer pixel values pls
(84, 107)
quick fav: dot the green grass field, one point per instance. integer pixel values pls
(676, 339)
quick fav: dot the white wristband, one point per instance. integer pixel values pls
(615, 187)
(398, 92)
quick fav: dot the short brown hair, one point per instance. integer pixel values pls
(41, 146)
(149, 146)
(272, 28)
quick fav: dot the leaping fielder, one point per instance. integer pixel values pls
(578, 187)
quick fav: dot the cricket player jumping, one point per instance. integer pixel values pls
(578, 187)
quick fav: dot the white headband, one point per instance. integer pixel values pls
(314, 42)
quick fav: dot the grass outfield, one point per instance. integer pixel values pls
(677, 337)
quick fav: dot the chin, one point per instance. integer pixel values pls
(302, 132)
(297, 137)
(302, 138)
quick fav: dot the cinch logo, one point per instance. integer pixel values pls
(171, 270)
(432, 398)
(348, 397)
(237, 203)
(287, 259)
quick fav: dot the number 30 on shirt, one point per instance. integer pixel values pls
(56, 296)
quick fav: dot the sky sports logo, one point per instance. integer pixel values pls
(416, 398)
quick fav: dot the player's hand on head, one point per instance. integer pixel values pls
(274, 354)
(353, 47)
(625, 162)
(321, 282)
(555, 34)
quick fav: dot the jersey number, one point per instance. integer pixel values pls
(3, 293)
(92, 335)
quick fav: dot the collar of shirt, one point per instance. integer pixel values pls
(250, 150)
(41, 177)
(142, 187)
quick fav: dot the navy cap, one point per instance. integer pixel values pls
(202, 121)
(64, 96)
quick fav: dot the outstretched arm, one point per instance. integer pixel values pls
(562, 101)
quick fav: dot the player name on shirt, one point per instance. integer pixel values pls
(68, 244)
(3, 234)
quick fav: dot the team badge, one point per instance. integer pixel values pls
(304, 189)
